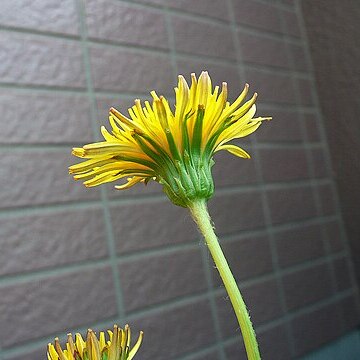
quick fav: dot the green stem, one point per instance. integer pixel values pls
(201, 216)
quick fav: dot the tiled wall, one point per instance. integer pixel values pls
(73, 258)
(334, 25)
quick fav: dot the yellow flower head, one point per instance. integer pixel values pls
(116, 348)
(174, 148)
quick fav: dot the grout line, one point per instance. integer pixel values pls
(64, 269)
(47, 273)
(52, 90)
(168, 306)
(163, 52)
(43, 33)
(327, 153)
(250, 30)
(101, 43)
(104, 198)
(265, 203)
(276, 70)
(194, 354)
(49, 90)
(25, 209)
(171, 41)
(202, 18)
(306, 309)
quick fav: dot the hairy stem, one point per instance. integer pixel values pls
(201, 216)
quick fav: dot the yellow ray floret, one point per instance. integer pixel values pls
(116, 348)
(174, 148)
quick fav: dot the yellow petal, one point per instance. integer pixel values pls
(80, 344)
(92, 346)
(235, 150)
(136, 346)
(130, 182)
(59, 350)
(51, 352)
(70, 347)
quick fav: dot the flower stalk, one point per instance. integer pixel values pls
(202, 218)
(175, 147)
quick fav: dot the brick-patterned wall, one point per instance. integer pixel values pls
(338, 77)
(73, 258)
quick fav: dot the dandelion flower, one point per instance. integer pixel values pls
(116, 348)
(173, 147)
(176, 149)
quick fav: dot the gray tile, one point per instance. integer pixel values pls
(350, 311)
(305, 91)
(35, 60)
(256, 14)
(342, 274)
(235, 212)
(263, 311)
(284, 127)
(123, 23)
(291, 21)
(213, 9)
(203, 38)
(271, 87)
(290, 3)
(41, 178)
(120, 70)
(159, 278)
(298, 57)
(312, 127)
(285, 204)
(327, 198)
(273, 343)
(36, 354)
(263, 50)
(44, 241)
(236, 351)
(170, 333)
(316, 328)
(42, 307)
(307, 286)
(333, 234)
(279, 165)
(142, 226)
(299, 244)
(103, 104)
(44, 15)
(319, 163)
(240, 256)
(44, 119)
(230, 170)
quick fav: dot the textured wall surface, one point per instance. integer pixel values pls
(73, 258)
(337, 72)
